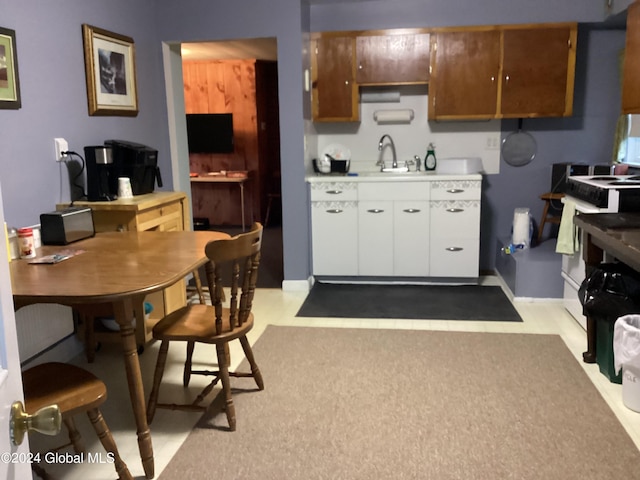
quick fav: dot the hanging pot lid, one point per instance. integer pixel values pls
(519, 148)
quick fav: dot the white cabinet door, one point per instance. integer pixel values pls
(335, 238)
(411, 238)
(375, 238)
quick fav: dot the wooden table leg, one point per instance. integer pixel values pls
(124, 316)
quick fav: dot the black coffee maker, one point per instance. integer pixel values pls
(102, 174)
(137, 162)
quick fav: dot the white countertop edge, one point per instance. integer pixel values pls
(390, 177)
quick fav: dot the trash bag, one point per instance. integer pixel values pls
(611, 290)
(626, 342)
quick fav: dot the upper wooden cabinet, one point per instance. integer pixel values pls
(334, 90)
(502, 72)
(464, 74)
(631, 72)
(392, 58)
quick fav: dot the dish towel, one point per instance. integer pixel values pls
(568, 232)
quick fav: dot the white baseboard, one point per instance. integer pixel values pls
(297, 285)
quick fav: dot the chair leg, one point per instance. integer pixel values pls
(157, 378)
(104, 434)
(196, 278)
(255, 371)
(74, 435)
(223, 365)
(186, 375)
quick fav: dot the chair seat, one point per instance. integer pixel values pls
(80, 390)
(196, 323)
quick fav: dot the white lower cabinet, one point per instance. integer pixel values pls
(411, 238)
(455, 229)
(428, 228)
(393, 227)
(334, 218)
(375, 237)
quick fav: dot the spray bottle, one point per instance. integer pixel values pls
(430, 159)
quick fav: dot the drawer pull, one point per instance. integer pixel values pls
(454, 249)
(411, 210)
(455, 210)
(335, 210)
(334, 192)
(455, 190)
(375, 210)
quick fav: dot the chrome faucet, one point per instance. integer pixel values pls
(393, 149)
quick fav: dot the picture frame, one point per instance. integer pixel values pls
(110, 69)
(9, 79)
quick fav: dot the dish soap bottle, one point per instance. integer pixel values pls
(430, 159)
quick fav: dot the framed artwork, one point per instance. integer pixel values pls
(9, 81)
(109, 60)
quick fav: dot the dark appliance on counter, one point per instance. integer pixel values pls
(102, 175)
(66, 226)
(137, 162)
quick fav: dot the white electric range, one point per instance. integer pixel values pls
(594, 194)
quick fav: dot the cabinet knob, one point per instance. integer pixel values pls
(493, 79)
(375, 210)
(334, 192)
(334, 210)
(346, 82)
(455, 190)
(411, 210)
(454, 249)
(455, 210)
(506, 77)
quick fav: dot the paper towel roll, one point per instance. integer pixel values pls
(393, 116)
(521, 227)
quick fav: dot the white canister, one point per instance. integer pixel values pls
(124, 187)
(27, 245)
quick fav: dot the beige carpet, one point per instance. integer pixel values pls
(398, 404)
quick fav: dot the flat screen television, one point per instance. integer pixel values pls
(210, 132)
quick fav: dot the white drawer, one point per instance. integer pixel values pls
(454, 257)
(334, 191)
(455, 219)
(456, 189)
(393, 191)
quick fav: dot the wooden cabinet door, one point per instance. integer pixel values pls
(334, 91)
(631, 72)
(392, 59)
(464, 76)
(538, 72)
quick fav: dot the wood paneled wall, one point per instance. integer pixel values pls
(227, 86)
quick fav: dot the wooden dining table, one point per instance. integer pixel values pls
(117, 268)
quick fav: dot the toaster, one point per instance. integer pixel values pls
(65, 226)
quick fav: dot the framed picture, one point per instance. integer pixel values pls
(9, 82)
(109, 60)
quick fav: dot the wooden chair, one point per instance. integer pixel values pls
(74, 390)
(215, 324)
(546, 217)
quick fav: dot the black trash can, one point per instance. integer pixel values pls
(610, 291)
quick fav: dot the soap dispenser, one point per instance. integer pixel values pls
(430, 159)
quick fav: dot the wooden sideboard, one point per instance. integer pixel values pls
(161, 211)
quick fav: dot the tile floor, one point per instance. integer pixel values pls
(273, 306)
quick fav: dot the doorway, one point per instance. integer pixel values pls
(239, 77)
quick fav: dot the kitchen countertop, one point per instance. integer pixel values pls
(391, 177)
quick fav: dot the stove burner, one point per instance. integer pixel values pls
(635, 177)
(626, 182)
(603, 179)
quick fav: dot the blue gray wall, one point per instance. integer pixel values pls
(52, 80)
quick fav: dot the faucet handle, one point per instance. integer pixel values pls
(418, 161)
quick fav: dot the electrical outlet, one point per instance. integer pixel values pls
(492, 143)
(61, 145)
